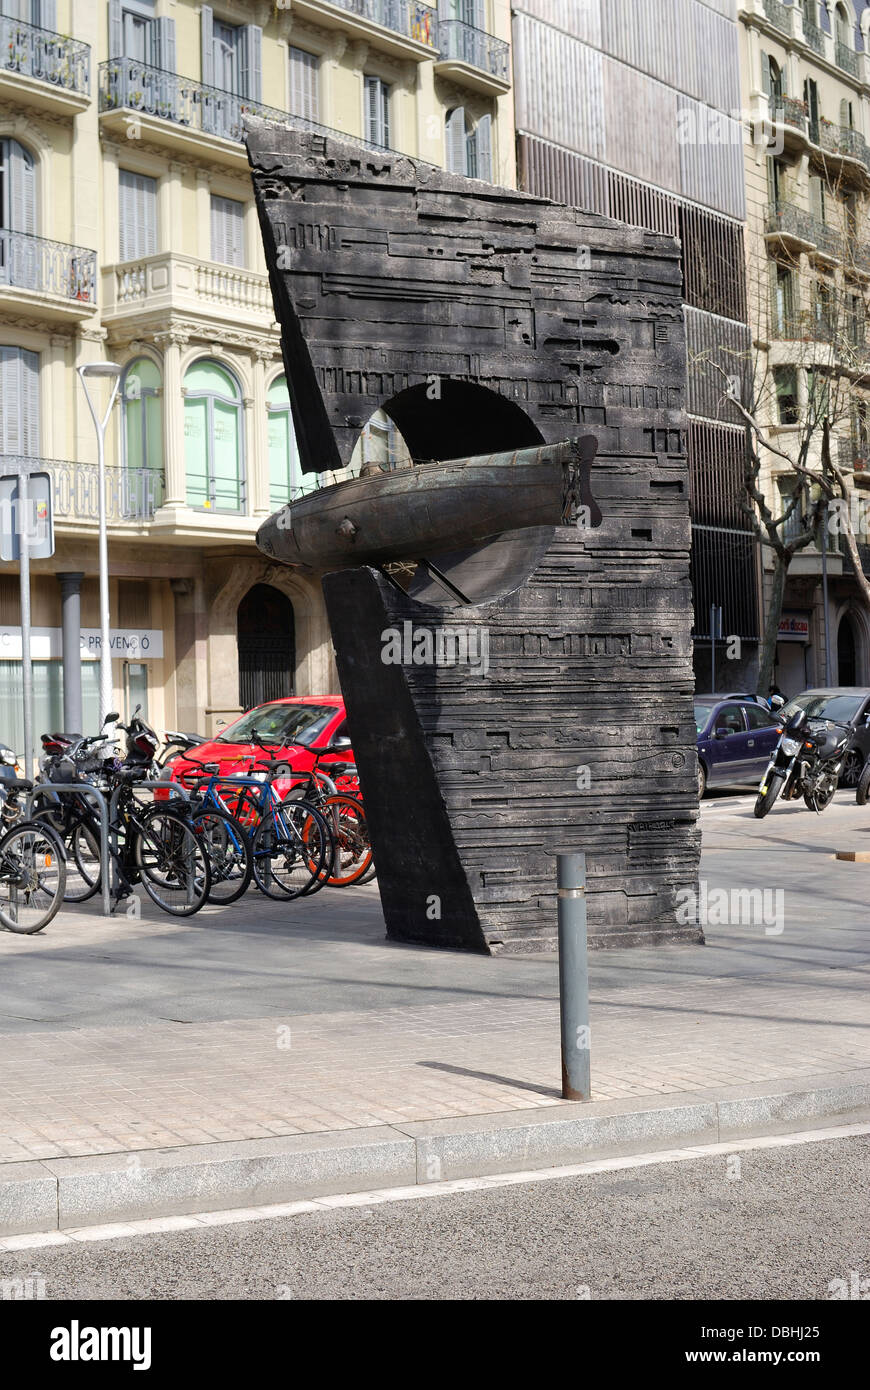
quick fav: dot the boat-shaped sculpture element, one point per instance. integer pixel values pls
(428, 508)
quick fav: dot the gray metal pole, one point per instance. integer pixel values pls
(825, 592)
(105, 646)
(573, 977)
(712, 649)
(23, 528)
(71, 619)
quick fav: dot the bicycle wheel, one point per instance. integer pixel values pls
(292, 847)
(229, 853)
(172, 863)
(82, 867)
(353, 851)
(32, 877)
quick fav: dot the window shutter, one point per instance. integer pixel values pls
(371, 84)
(303, 84)
(484, 148)
(137, 215)
(384, 96)
(19, 401)
(227, 231)
(22, 199)
(48, 15)
(29, 402)
(456, 153)
(163, 44)
(817, 198)
(766, 85)
(478, 14)
(207, 43)
(251, 61)
(116, 30)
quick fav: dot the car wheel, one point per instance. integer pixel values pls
(862, 791)
(852, 768)
(702, 780)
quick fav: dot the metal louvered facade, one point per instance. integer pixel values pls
(589, 77)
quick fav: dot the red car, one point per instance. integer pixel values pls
(295, 728)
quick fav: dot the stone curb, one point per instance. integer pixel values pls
(69, 1193)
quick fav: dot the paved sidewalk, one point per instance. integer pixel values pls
(106, 1090)
(749, 1008)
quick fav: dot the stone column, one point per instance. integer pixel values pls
(170, 344)
(71, 624)
(258, 467)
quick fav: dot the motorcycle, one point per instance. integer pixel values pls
(807, 761)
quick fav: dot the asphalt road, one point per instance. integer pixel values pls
(769, 1223)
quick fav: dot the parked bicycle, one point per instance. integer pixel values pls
(32, 868)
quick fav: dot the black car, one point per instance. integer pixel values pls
(844, 704)
(736, 735)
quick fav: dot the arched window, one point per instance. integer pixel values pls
(469, 146)
(286, 479)
(18, 262)
(843, 27)
(141, 399)
(213, 449)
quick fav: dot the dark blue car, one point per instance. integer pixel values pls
(735, 737)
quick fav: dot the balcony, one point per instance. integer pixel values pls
(846, 59)
(473, 58)
(789, 119)
(842, 142)
(853, 456)
(54, 281)
(403, 28)
(790, 226)
(132, 495)
(43, 70)
(159, 285)
(779, 15)
(827, 241)
(179, 113)
(814, 38)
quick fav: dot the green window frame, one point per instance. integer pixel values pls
(142, 433)
(214, 438)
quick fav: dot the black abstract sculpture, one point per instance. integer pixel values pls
(511, 614)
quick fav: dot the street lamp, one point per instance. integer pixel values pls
(113, 371)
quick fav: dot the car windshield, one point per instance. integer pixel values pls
(280, 724)
(702, 716)
(841, 708)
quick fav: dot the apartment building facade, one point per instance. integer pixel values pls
(634, 111)
(806, 70)
(128, 234)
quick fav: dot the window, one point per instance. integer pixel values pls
(860, 434)
(141, 402)
(854, 319)
(843, 27)
(784, 300)
(137, 215)
(818, 394)
(789, 489)
(18, 255)
(377, 111)
(823, 310)
(468, 146)
(231, 55)
(773, 83)
(227, 231)
(785, 386)
(811, 98)
(758, 718)
(304, 72)
(213, 438)
(135, 33)
(776, 182)
(286, 478)
(818, 198)
(730, 718)
(19, 401)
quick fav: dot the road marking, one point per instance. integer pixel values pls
(160, 1224)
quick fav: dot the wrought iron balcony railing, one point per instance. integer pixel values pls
(847, 59)
(128, 84)
(409, 17)
(791, 112)
(50, 57)
(132, 494)
(778, 14)
(465, 44)
(826, 239)
(814, 37)
(790, 221)
(842, 140)
(48, 267)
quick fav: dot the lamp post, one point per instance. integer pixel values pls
(113, 371)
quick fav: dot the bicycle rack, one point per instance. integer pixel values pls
(43, 791)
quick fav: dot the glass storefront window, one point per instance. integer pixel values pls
(47, 701)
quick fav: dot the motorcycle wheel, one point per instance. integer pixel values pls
(862, 791)
(819, 803)
(765, 800)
